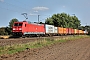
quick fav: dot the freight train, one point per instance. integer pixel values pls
(26, 29)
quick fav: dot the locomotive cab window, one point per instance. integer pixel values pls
(20, 24)
(16, 24)
(25, 25)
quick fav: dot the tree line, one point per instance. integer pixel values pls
(58, 20)
(63, 20)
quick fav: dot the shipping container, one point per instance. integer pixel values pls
(64, 31)
(85, 32)
(80, 31)
(72, 31)
(49, 29)
(55, 30)
(60, 30)
(75, 30)
(69, 30)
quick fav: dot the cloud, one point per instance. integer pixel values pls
(2, 0)
(36, 11)
(32, 14)
(40, 8)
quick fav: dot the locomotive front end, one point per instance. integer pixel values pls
(17, 29)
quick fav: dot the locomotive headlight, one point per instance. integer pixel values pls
(13, 28)
(20, 28)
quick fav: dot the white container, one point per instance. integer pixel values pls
(85, 32)
(49, 29)
(55, 30)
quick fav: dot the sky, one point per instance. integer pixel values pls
(10, 9)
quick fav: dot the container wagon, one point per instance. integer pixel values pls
(60, 31)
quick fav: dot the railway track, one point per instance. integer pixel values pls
(11, 41)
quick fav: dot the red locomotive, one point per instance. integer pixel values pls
(25, 28)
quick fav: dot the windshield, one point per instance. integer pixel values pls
(18, 24)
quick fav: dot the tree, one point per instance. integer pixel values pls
(2, 31)
(76, 22)
(49, 21)
(63, 20)
(12, 21)
(8, 30)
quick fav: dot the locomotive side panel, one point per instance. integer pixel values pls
(34, 29)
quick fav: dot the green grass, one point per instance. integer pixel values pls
(37, 44)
